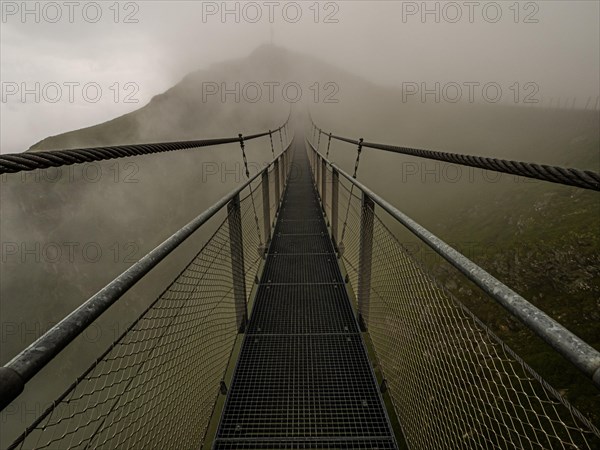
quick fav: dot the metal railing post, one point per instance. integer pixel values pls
(335, 180)
(237, 262)
(323, 183)
(277, 176)
(266, 206)
(365, 258)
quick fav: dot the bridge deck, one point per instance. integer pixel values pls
(303, 379)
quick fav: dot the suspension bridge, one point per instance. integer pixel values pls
(304, 323)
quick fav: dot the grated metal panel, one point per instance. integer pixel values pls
(301, 243)
(296, 212)
(301, 200)
(314, 226)
(301, 191)
(303, 379)
(370, 444)
(302, 206)
(302, 268)
(303, 386)
(302, 308)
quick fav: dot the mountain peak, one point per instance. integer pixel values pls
(188, 111)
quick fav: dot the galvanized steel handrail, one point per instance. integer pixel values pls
(574, 349)
(32, 359)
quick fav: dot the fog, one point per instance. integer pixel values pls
(386, 42)
(529, 90)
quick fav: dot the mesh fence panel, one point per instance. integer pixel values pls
(251, 208)
(454, 384)
(272, 198)
(326, 198)
(156, 386)
(349, 230)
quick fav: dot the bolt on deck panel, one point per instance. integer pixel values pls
(303, 379)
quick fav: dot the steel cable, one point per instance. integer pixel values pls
(28, 161)
(585, 179)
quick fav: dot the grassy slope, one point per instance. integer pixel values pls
(544, 243)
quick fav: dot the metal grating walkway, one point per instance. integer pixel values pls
(303, 379)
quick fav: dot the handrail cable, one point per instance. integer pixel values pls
(23, 162)
(585, 179)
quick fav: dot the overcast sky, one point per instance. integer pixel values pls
(136, 50)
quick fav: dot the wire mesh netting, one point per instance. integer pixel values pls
(157, 384)
(273, 200)
(253, 232)
(348, 222)
(454, 384)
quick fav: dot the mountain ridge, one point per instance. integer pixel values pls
(189, 109)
